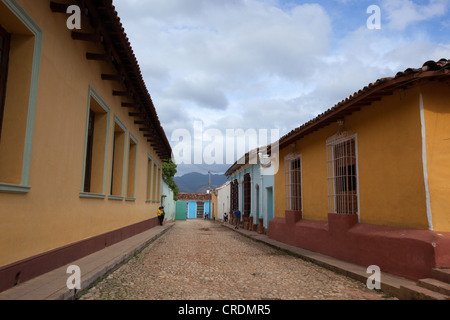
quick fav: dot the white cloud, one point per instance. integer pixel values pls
(402, 13)
(203, 92)
(227, 38)
(221, 54)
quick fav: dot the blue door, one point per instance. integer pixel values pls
(192, 210)
(208, 209)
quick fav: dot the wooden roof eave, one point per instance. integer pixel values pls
(118, 51)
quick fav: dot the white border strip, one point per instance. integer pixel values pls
(425, 168)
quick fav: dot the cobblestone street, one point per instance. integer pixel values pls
(202, 260)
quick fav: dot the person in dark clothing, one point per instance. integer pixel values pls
(237, 215)
(161, 215)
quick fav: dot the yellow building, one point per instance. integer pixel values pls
(81, 145)
(368, 181)
(214, 205)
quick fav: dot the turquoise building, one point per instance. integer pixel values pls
(168, 202)
(181, 211)
(252, 189)
(193, 206)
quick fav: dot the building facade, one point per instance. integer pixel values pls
(168, 202)
(222, 206)
(252, 189)
(198, 205)
(81, 146)
(368, 180)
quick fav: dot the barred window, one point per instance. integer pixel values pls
(293, 182)
(234, 199)
(4, 57)
(342, 176)
(247, 194)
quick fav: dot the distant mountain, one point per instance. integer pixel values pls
(198, 183)
(217, 169)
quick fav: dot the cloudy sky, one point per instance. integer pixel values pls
(213, 65)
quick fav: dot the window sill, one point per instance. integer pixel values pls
(130, 199)
(14, 188)
(112, 197)
(92, 195)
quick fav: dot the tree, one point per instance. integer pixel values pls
(169, 171)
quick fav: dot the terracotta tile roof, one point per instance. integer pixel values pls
(250, 157)
(226, 184)
(193, 197)
(364, 97)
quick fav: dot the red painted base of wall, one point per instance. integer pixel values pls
(27, 269)
(409, 253)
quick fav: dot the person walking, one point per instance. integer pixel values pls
(161, 215)
(237, 216)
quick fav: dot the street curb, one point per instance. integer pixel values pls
(95, 276)
(93, 268)
(389, 283)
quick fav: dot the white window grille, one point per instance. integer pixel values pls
(293, 182)
(342, 170)
(200, 210)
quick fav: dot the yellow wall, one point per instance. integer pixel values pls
(437, 123)
(389, 147)
(214, 204)
(279, 192)
(392, 189)
(53, 214)
(314, 175)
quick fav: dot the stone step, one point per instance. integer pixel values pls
(415, 292)
(441, 274)
(435, 285)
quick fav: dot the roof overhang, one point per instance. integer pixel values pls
(109, 32)
(437, 71)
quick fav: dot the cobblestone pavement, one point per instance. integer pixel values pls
(202, 260)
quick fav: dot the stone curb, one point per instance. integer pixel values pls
(52, 285)
(94, 276)
(389, 283)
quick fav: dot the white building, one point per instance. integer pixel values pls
(223, 201)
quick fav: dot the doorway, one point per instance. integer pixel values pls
(200, 210)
